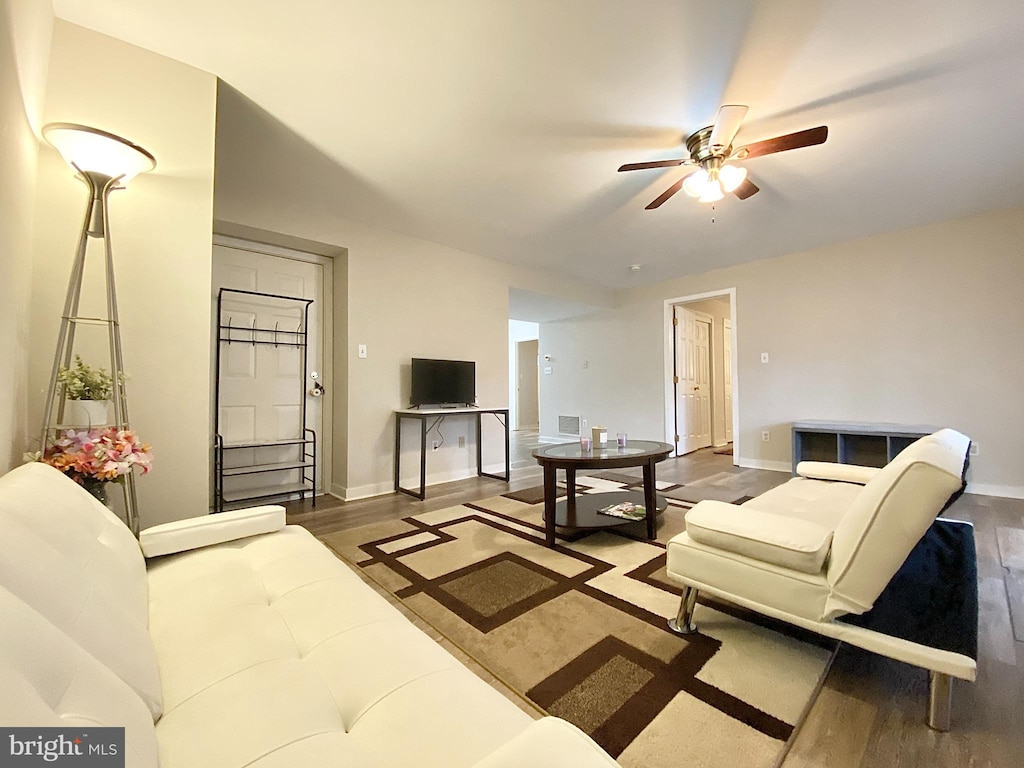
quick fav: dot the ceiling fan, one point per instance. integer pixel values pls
(712, 152)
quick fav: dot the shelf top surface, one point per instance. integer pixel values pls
(866, 427)
(267, 443)
(446, 411)
(280, 466)
(266, 491)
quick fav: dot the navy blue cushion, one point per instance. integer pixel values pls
(933, 598)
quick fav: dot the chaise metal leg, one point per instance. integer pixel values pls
(940, 699)
(683, 624)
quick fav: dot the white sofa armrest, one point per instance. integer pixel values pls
(785, 541)
(844, 473)
(196, 532)
(549, 743)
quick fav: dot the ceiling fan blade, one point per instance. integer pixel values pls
(726, 125)
(665, 195)
(807, 138)
(746, 189)
(654, 164)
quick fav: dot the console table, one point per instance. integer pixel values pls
(423, 414)
(853, 442)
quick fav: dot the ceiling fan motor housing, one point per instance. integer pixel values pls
(699, 146)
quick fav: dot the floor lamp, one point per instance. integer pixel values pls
(105, 162)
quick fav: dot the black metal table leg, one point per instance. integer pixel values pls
(423, 458)
(650, 499)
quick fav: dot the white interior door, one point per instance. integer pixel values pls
(727, 378)
(263, 387)
(692, 380)
(527, 385)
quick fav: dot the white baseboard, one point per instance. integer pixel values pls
(382, 489)
(563, 439)
(774, 466)
(990, 489)
(362, 491)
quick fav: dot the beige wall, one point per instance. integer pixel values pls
(919, 326)
(161, 233)
(405, 298)
(611, 345)
(400, 296)
(25, 31)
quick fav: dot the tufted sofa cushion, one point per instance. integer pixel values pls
(263, 651)
(71, 559)
(272, 652)
(47, 680)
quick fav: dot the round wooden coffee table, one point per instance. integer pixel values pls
(581, 512)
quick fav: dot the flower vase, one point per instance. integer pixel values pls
(98, 490)
(87, 413)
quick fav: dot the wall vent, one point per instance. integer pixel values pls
(569, 425)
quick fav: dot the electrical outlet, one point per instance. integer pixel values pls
(435, 445)
(586, 363)
(975, 450)
(462, 441)
(766, 436)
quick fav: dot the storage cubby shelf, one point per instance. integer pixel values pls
(853, 442)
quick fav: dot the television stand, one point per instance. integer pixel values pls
(422, 414)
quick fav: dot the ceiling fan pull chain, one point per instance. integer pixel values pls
(712, 213)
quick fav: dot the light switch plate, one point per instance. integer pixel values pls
(362, 350)
(764, 357)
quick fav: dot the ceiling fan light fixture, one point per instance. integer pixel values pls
(712, 192)
(731, 176)
(696, 183)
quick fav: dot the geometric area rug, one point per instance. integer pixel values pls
(580, 630)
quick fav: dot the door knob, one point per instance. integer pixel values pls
(317, 390)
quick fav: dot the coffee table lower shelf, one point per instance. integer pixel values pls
(587, 504)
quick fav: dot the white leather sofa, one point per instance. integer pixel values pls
(243, 642)
(824, 545)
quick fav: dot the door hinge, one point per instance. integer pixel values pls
(675, 379)
(677, 438)
(675, 320)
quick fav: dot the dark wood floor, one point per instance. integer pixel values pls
(871, 710)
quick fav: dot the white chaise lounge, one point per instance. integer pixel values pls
(819, 550)
(250, 645)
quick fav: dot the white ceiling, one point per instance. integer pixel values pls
(496, 126)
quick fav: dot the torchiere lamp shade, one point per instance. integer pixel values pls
(90, 150)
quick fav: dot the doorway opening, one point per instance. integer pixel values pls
(701, 402)
(524, 381)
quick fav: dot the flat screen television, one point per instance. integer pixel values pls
(443, 382)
